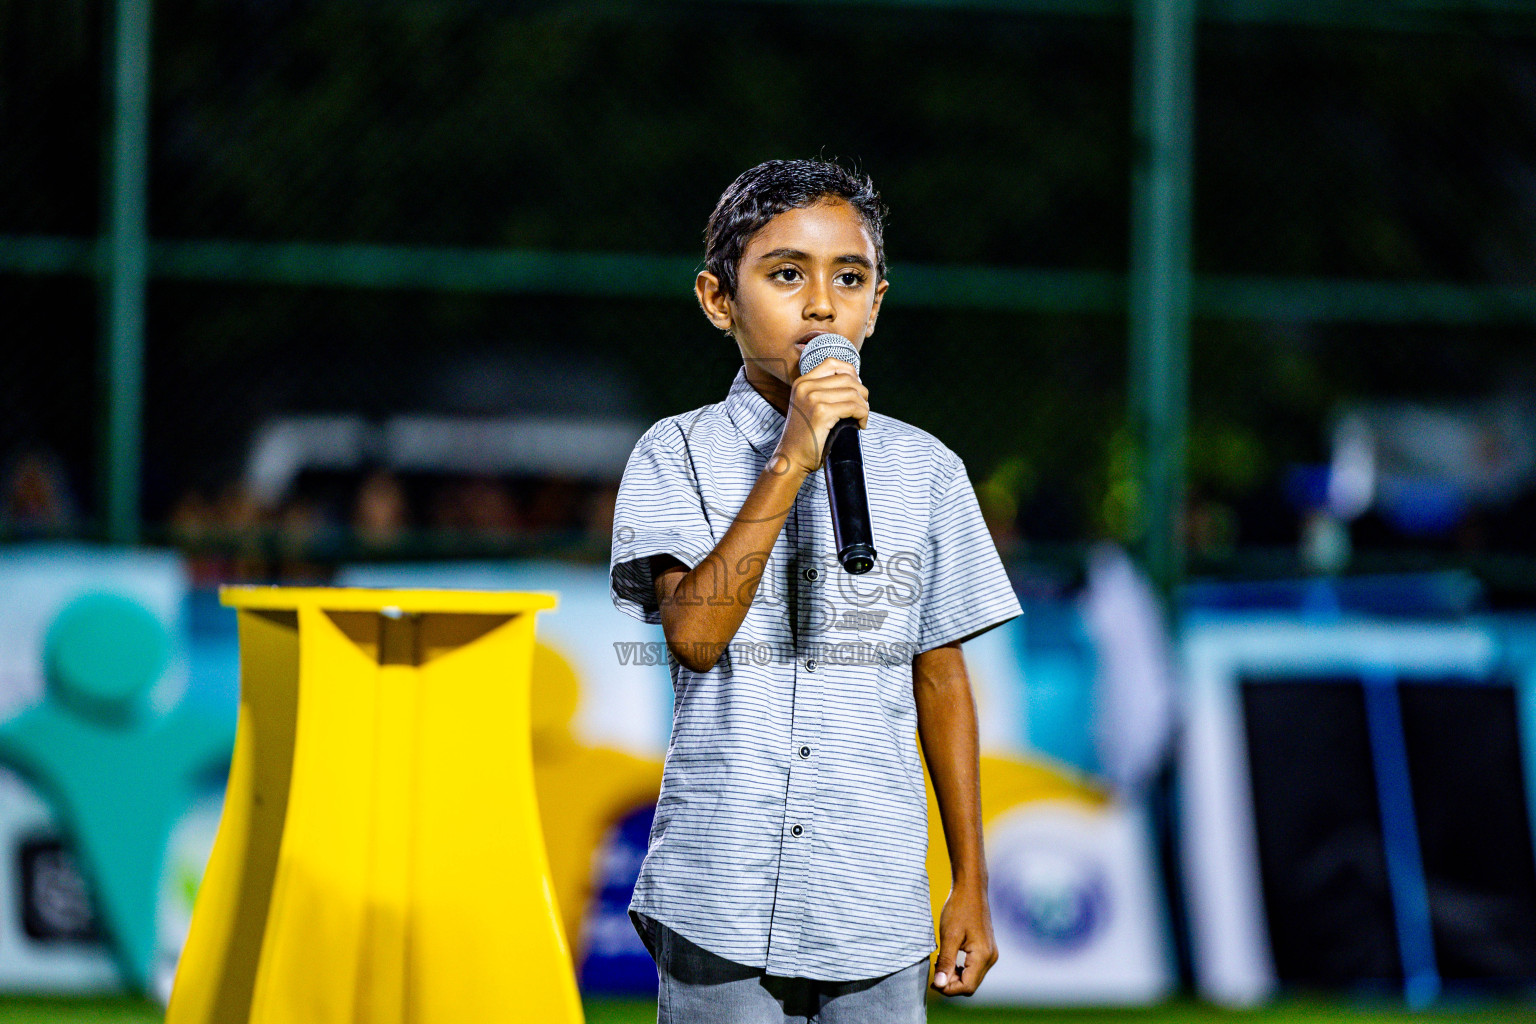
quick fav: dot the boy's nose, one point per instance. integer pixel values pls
(818, 301)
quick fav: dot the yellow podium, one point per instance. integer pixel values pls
(380, 859)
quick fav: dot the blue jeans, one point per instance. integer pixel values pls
(697, 987)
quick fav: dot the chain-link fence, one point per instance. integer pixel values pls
(383, 232)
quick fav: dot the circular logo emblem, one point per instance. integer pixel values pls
(1051, 896)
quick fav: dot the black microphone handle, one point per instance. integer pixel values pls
(844, 469)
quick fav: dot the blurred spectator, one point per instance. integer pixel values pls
(36, 501)
(193, 528)
(488, 508)
(300, 531)
(554, 506)
(1136, 711)
(1325, 542)
(380, 516)
(1210, 527)
(238, 511)
(999, 496)
(327, 519)
(600, 504)
(480, 506)
(223, 541)
(192, 519)
(240, 524)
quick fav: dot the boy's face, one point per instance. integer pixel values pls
(806, 272)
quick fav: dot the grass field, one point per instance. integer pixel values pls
(123, 1011)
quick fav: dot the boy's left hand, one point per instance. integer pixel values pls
(965, 924)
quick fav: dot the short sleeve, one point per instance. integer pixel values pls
(659, 511)
(965, 589)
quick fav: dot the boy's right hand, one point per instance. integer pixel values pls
(817, 401)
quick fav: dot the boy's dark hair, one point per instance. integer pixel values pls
(770, 188)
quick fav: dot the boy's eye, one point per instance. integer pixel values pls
(787, 274)
(850, 278)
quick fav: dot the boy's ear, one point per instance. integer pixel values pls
(874, 310)
(713, 300)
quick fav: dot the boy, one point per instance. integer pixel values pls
(785, 877)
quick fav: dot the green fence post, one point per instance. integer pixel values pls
(124, 266)
(1159, 286)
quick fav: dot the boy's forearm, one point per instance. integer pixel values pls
(702, 608)
(946, 726)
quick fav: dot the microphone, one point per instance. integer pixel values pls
(844, 465)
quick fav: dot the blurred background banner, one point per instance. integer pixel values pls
(52, 937)
(1356, 803)
(1226, 305)
(1079, 913)
(1357, 808)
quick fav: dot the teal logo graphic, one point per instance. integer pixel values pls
(118, 774)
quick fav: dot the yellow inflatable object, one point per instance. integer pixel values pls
(380, 856)
(583, 791)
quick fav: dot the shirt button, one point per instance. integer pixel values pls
(805, 751)
(810, 664)
(797, 830)
(812, 574)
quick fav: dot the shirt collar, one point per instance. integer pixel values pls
(760, 423)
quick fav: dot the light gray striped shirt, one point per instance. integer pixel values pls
(791, 832)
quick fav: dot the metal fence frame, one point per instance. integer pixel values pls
(1160, 294)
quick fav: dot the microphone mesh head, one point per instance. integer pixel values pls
(827, 346)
